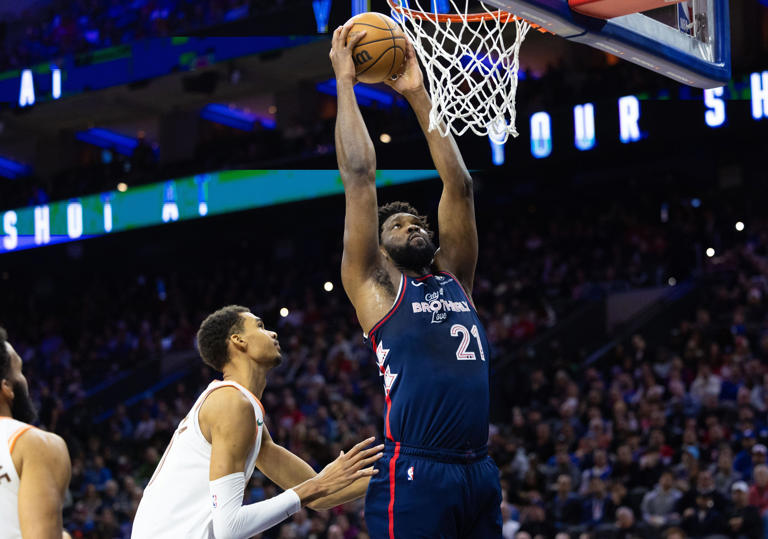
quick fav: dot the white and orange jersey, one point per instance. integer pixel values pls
(10, 430)
(176, 502)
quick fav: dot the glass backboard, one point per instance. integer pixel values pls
(686, 41)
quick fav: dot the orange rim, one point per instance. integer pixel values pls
(506, 16)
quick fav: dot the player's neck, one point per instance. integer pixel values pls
(410, 272)
(250, 375)
(5, 410)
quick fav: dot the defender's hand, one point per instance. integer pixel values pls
(342, 472)
(349, 467)
(342, 45)
(410, 79)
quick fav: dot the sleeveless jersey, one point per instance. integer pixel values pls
(177, 501)
(10, 430)
(433, 355)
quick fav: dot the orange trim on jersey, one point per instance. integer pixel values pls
(263, 412)
(238, 387)
(15, 436)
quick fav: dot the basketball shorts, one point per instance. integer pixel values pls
(426, 493)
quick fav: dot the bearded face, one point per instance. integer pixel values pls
(22, 408)
(407, 242)
(414, 255)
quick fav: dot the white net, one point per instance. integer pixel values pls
(471, 66)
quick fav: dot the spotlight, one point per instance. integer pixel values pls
(122, 187)
(739, 226)
(328, 286)
(672, 281)
(385, 138)
(284, 312)
(710, 252)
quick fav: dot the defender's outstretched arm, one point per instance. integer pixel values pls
(288, 470)
(456, 213)
(228, 416)
(357, 166)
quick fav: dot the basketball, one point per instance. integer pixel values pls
(382, 51)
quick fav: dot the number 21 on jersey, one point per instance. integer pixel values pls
(457, 330)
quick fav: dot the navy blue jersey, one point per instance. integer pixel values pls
(433, 355)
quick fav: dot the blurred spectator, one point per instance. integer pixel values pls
(703, 519)
(533, 520)
(724, 473)
(597, 508)
(743, 461)
(674, 533)
(758, 493)
(744, 520)
(509, 524)
(704, 485)
(57, 27)
(600, 468)
(625, 526)
(566, 507)
(659, 505)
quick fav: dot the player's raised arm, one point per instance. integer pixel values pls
(44, 477)
(229, 417)
(456, 213)
(357, 166)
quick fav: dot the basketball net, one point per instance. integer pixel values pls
(472, 72)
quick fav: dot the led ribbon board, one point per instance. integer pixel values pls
(174, 200)
(123, 64)
(642, 40)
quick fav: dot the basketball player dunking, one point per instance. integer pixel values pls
(197, 489)
(413, 303)
(34, 465)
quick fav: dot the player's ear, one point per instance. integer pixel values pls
(6, 389)
(238, 341)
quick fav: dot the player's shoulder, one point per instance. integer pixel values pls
(227, 416)
(41, 446)
(227, 402)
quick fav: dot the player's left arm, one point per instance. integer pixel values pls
(456, 213)
(287, 470)
(44, 478)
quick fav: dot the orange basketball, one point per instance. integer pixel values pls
(382, 51)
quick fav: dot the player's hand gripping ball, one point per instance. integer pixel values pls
(380, 54)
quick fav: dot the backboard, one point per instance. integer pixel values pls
(688, 41)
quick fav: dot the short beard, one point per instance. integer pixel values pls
(413, 258)
(22, 408)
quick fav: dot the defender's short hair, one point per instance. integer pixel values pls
(388, 210)
(215, 331)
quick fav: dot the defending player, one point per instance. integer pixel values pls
(413, 304)
(34, 465)
(197, 489)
